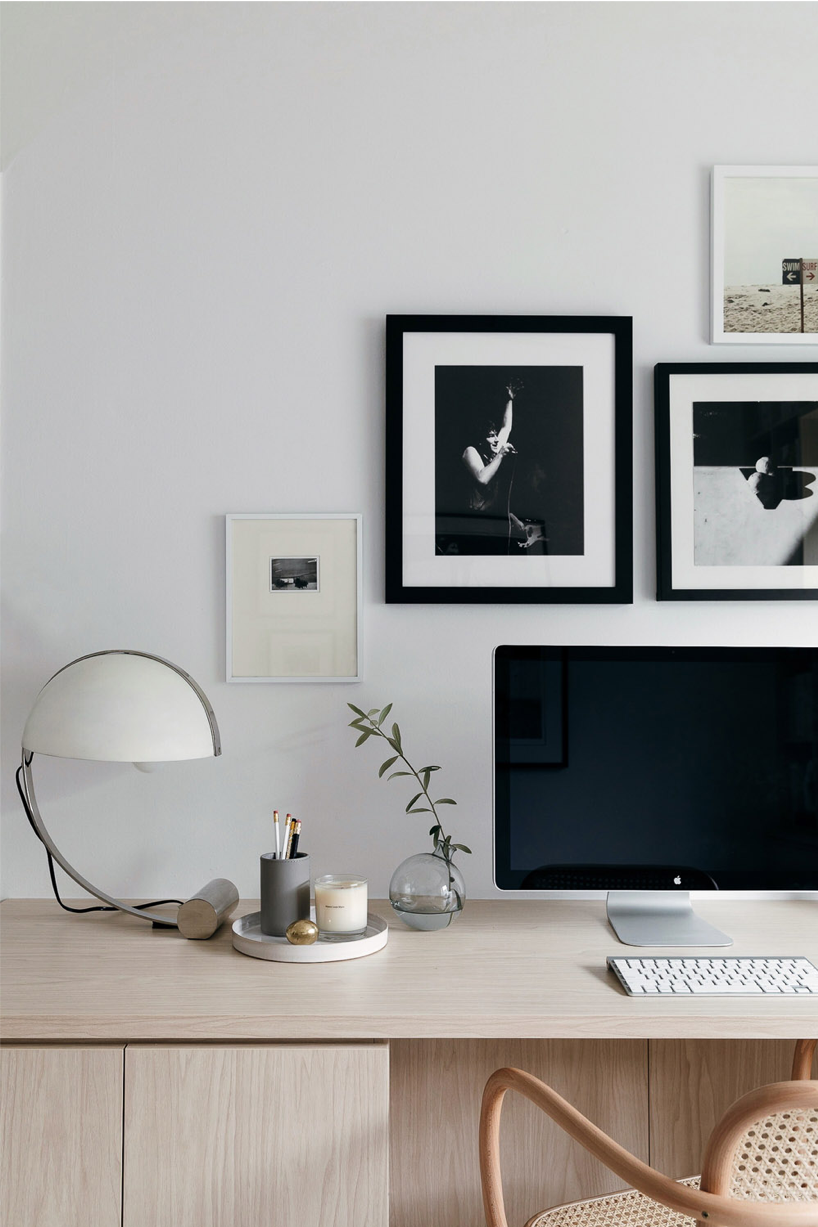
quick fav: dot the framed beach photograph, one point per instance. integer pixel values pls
(293, 598)
(508, 459)
(764, 255)
(737, 481)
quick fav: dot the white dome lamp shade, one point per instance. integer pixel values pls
(124, 706)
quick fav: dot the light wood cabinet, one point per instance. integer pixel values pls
(61, 1136)
(437, 1086)
(250, 1136)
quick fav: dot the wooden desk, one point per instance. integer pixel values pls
(255, 1092)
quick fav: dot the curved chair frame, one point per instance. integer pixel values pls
(709, 1204)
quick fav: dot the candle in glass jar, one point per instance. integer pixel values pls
(340, 906)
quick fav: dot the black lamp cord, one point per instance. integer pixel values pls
(100, 907)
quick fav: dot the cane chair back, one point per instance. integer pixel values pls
(760, 1166)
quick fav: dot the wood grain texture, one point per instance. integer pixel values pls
(238, 1137)
(436, 1091)
(60, 1137)
(543, 960)
(694, 1082)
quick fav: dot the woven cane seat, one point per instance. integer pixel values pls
(776, 1160)
(626, 1209)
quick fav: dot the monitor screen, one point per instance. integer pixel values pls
(656, 768)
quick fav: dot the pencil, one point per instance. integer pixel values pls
(275, 828)
(294, 846)
(288, 835)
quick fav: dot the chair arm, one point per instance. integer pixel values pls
(802, 1061)
(709, 1208)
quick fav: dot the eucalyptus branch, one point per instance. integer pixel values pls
(368, 724)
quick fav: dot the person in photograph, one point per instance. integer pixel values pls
(508, 460)
(491, 487)
(484, 461)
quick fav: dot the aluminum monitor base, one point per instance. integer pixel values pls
(660, 918)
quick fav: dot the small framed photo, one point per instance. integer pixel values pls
(293, 598)
(764, 255)
(508, 459)
(737, 481)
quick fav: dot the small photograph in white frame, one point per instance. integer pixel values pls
(294, 573)
(293, 587)
(764, 255)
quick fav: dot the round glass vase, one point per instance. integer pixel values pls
(427, 891)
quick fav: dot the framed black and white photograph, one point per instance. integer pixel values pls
(293, 598)
(737, 481)
(764, 255)
(508, 464)
(294, 574)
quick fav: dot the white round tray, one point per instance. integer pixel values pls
(249, 939)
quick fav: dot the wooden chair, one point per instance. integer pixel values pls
(760, 1166)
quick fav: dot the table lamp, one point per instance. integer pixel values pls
(125, 706)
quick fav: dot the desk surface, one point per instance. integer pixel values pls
(504, 969)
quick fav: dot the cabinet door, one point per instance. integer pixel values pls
(268, 1136)
(61, 1137)
(437, 1086)
(693, 1083)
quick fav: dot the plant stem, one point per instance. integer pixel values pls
(441, 834)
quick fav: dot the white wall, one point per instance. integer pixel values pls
(208, 210)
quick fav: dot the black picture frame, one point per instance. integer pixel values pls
(487, 342)
(718, 542)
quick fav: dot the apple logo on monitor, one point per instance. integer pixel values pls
(677, 881)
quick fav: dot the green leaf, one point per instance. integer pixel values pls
(429, 769)
(373, 711)
(462, 848)
(396, 734)
(422, 809)
(425, 780)
(357, 710)
(434, 830)
(363, 738)
(395, 774)
(385, 766)
(357, 724)
(384, 713)
(416, 797)
(445, 801)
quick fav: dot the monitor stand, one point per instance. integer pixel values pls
(660, 918)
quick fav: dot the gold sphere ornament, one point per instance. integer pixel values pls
(302, 933)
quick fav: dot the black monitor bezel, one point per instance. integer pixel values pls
(506, 878)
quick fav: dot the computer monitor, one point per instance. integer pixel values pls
(651, 772)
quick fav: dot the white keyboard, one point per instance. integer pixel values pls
(716, 974)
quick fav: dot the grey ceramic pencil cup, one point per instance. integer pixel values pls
(285, 892)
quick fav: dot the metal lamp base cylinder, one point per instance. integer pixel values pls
(200, 916)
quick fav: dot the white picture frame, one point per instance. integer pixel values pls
(295, 629)
(757, 213)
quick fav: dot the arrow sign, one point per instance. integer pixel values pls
(791, 272)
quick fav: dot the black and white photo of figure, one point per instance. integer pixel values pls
(294, 574)
(509, 460)
(755, 500)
